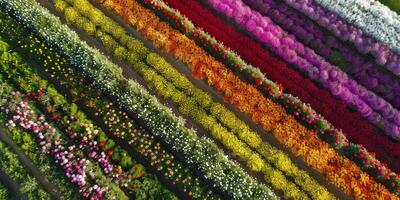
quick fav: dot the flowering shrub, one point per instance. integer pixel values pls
(364, 71)
(371, 106)
(119, 124)
(385, 149)
(158, 71)
(372, 17)
(242, 96)
(88, 136)
(19, 174)
(158, 119)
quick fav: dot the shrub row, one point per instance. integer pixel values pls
(126, 171)
(222, 124)
(227, 176)
(52, 63)
(244, 97)
(356, 130)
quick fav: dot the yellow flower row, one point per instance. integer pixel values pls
(219, 121)
(303, 143)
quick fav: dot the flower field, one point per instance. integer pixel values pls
(208, 99)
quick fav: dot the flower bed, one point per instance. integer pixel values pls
(242, 96)
(385, 149)
(372, 107)
(47, 59)
(108, 78)
(222, 123)
(254, 111)
(348, 32)
(368, 73)
(370, 16)
(19, 174)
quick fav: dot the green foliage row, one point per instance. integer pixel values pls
(51, 62)
(16, 170)
(4, 193)
(223, 125)
(74, 120)
(31, 148)
(225, 175)
(23, 78)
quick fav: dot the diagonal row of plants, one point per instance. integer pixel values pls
(223, 125)
(127, 89)
(71, 121)
(49, 60)
(303, 142)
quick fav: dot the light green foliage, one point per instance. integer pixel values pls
(71, 15)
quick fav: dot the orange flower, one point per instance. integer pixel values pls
(272, 117)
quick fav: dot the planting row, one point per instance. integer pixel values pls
(371, 106)
(226, 175)
(164, 162)
(180, 176)
(128, 174)
(371, 16)
(365, 72)
(347, 32)
(305, 114)
(221, 123)
(247, 105)
(242, 96)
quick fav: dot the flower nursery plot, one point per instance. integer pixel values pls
(199, 99)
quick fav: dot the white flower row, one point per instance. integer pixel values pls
(371, 16)
(222, 172)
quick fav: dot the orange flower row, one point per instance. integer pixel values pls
(302, 142)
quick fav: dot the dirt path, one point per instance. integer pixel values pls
(32, 168)
(12, 186)
(182, 68)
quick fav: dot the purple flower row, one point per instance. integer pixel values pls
(366, 72)
(74, 166)
(373, 107)
(348, 32)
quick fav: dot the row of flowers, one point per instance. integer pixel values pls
(69, 118)
(392, 4)
(28, 145)
(11, 165)
(334, 110)
(78, 169)
(86, 136)
(348, 32)
(143, 142)
(18, 173)
(371, 106)
(243, 96)
(370, 16)
(243, 91)
(227, 176)
(364, 71)
(196, 103)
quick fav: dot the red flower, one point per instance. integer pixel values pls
(335, 111)
(258, 82)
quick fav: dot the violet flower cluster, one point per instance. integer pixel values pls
(348, 32)
(74, 166)
(366, 72)
(371, 106)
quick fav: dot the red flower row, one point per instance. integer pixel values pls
(335, 111)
